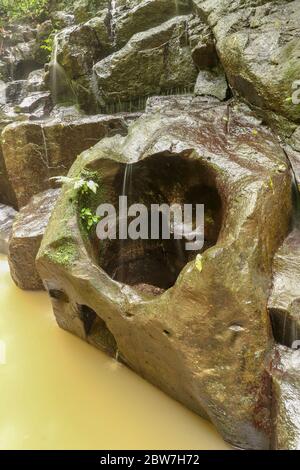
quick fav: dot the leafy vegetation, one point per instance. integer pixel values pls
(18, 9)
(85, 186)
(12, 9)
(88, 219)
(47, 45)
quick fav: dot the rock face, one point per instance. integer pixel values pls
(80, 46)
(284, 371)
(157, 61)
(136, 16)
(138, 48)
(27, 233)
(284, 301)
(199, 330)
(7, 195)
(258, 44)
(212, 83)
(33, 152)
(7, 216)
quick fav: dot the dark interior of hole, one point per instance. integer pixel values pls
(96, 330)
(58, 295)
(153, 266)
(284, 326)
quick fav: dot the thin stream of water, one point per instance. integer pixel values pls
(113, 12)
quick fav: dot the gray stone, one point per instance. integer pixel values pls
(140, 15)
(157, 61)
(258, 44)
(7, 216)
(35, 100)
(27, 233)
(212, 83)
(36, 81)
(15, 91)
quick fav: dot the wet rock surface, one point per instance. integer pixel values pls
(284, 301)
(258, 44)
(7, 216)
(33, 152)
(136, 16)
(27, 232)
(210, 326)
(284, 371)
(152, 62)
(212, 83)
(205, 331)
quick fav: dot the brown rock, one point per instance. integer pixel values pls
(7, 195)
(35, 151)
(7, 216)
(27, 233)
(206, 338)
(284, 371)
(284, 301)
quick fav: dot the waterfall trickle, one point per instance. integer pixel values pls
(113, 24)
(46, 160)
(126, 191)
(127, 182)
(60, 86)
(296, 201)
(54, 70)
(285, 299)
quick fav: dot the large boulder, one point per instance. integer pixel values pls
(86, 9)
(33, 152)
(158, 61)
(7, 195)
(258, 44)
(17, 54)
(7, 216)
(80, 46)
(136, 16)
(27, 232)
(195, 326)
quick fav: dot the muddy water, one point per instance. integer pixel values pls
(56, 392)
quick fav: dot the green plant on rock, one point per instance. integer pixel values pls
(88, 218)
(47, 45)
(81, 184)
(85, 187)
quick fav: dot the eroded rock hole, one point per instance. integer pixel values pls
(153, 265)
(58, 295)
(97, 331)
